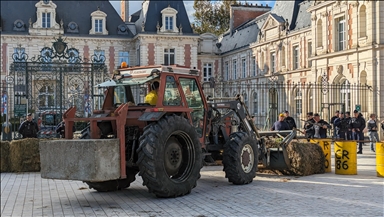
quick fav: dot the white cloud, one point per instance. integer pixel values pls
(136, 5)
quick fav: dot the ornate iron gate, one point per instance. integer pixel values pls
(53, 81)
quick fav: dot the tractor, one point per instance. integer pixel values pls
(168, 143)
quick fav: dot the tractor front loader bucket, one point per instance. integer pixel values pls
(277, 158)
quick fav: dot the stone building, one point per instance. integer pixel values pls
(300, 56)
(159, 33)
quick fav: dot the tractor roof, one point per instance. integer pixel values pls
(142, 74)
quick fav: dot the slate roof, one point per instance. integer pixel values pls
(247, 33)
(68, 11)
(135, 16)
(303, 17)
(153, 12)
(287, 10)
(243, 35)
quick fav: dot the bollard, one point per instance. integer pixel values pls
(325, 144)
(380, 159)
(345, 157)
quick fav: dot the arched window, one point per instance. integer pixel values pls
(299, 102)
(362, 22)
(245, 99)
(255, 103)
(345, 92)
(319, 29)
(262, 66)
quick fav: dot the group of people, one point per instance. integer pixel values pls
(345, 127)
(353, 128)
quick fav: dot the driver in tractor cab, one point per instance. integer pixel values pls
(151, 97)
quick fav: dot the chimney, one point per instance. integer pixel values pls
(242, 13)
(124, 10)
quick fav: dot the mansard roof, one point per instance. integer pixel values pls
(247, 33)
(153, 15)
(68, 11)
(244, 35)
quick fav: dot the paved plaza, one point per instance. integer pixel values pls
(26, 194)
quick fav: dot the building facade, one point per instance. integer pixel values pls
(302, 56)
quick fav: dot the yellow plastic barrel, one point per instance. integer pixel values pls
(380, 159)
(345, 157)
(325, 144)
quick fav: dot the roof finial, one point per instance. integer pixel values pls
(98, 8)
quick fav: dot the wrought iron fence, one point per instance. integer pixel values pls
(267, 100)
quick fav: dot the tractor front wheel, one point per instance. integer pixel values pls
(170, 157)
(240, 158)
(114, 185)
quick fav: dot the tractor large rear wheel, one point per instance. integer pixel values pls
(240, 158)
(170, 157)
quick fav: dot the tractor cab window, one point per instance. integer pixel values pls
(195, 101)
(171, 93)
(119, 95)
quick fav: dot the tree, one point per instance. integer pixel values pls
(212, 16)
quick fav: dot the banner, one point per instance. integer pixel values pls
(4, 102)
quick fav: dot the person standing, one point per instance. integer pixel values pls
(357, 125)
(317, 128)
(333, 121)
(308, 122)
(349, 129)
(29, 128)
(341, 126)
(280, 124)
(290, 121)
(372, 131)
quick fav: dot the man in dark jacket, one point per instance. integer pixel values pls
(290, 121)
(357, 125)
(29, 128)
(341, 126)
(280, 124)
(317, 128)
(349, 129)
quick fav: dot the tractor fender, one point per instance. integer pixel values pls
(151, 116)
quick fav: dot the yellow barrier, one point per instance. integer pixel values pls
(325, 144)
(380, 159)
(345, 158)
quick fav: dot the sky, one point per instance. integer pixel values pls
(135, 5)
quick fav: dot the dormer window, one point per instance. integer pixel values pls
(99, 20)
(99, 26)
(169, 20)
(46, 20)
(168, 23)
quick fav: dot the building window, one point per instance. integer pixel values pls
(273, 62)
(319, 38)
(226, 71)
(363, 22)
(295, 57)
(46, 21)
(253, 65)
(98, 26)
(346, 95)
(168, 23)
(262, 66)
(299, 102)
(243, 68)
(245, 96)
(309, 54)
(46, 97)
(282, 56)
(255, 103)
(234, 67)
(169, 56)
(123, 57)
(340, 34)
(207, 71)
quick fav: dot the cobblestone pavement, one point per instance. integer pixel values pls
(26, 194)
